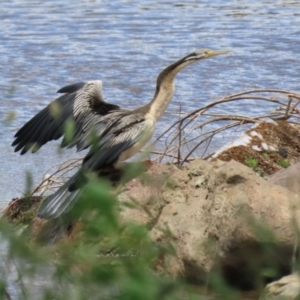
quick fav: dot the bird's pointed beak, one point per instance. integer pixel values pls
(204, 53)
(217, 52)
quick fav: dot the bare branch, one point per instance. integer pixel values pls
(197, 130)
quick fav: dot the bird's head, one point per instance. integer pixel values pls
(190, 58)
(202, 54)
(167, 75)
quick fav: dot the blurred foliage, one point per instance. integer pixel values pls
(108, 259)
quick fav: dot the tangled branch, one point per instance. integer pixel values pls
(55, 176)
(192, 134)
(200, 127)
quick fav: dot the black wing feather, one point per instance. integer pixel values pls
(100, 160)
(44, 127)
(72, 88)
(26, 140)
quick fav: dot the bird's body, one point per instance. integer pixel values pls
(112, 133)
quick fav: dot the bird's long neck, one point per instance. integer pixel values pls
(164, 89)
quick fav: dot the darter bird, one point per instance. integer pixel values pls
(120, 133)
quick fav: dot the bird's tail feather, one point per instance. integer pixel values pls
(59, 203)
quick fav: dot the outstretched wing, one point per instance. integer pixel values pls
(121, 139)
(81, 103)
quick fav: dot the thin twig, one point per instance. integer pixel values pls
(179, 142)
(197, 129)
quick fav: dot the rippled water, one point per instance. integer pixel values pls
(45, 45)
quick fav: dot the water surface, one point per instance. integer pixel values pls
(45, 45)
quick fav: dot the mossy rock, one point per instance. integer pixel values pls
(21, 211)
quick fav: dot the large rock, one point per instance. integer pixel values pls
(288, 178)
(219, 215)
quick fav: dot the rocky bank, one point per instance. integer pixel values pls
(221, 217)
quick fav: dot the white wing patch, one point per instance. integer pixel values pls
(91, 90)
(146, 135)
